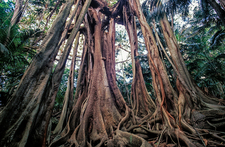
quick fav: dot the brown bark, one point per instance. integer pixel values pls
(68, 98)
(142, 103)
(58, 72)
(100, 108)
(25, 102)
(164, 93)
(189, 93)
(100, 111)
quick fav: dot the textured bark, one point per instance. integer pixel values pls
(100, 111)
(165, 94)
(189, 93)
(68, 98)
(57, 74)
(25, 101)
(189, 96)
(97, 115)
(142, 103)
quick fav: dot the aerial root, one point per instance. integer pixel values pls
(73, 137)
(161, 136)
(177, 134)
(125, 118)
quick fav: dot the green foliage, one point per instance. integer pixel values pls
(38, 12)
(14, 57)
(6, 11)
(111, 3)
(204, 49)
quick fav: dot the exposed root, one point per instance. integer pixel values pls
(127, 114)
(127, 139)
(161, 136)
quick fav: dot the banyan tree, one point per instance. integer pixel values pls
(98, 115)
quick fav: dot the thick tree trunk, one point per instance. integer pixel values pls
(45, 115)
(25, 102)
(100, 115)
(163, 90)
(100, 109)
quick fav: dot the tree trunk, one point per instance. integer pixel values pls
(141, 100)
(189, 93)
(164, 93)
(100, 109)
(166, 97)
(68, 98)
(26, 100)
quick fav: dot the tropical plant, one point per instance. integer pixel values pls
(203, 48)
(15, 53)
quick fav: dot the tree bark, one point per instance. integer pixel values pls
(25, 101)
(68, 98)
(100, 107)
(189, 93)
(142, 102)
(165, 95)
